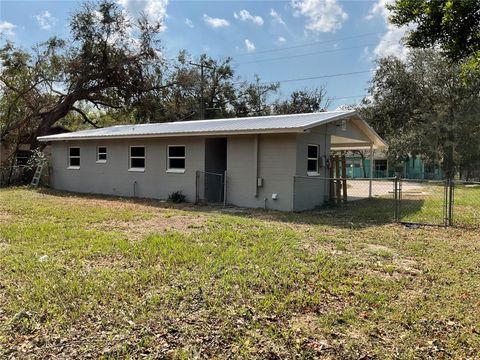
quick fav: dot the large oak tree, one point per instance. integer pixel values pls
(110, 61)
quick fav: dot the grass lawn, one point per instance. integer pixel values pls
(115, 278)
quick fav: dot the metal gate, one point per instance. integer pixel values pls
(424, 202)
(210, 187)
(444, 203)
(407, 201)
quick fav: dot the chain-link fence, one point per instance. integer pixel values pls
(210, 187)
(465, 204)
(423, 202)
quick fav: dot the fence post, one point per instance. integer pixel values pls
(225, 188)
(395, 205)
(196, 187)
(451, 189)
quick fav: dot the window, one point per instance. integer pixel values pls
(101, 154)
(74, 158)
(380, 165)
(176, 158)
(137, 158)
(312, 160)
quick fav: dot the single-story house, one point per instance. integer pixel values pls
(277, 162)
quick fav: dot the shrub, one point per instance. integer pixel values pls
(177, 197)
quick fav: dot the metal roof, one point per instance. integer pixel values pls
(252, 125)
(247, 125)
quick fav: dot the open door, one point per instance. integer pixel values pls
(215, 167)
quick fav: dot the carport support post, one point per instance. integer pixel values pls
(371, 172)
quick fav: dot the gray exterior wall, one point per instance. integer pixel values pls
(311, 191)
(276, 166)
(279, 159)
(113, 177)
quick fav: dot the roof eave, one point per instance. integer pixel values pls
(177, 134)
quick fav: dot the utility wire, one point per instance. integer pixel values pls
(348, 97)
(309, 44)
(302, 55)
(312, 77)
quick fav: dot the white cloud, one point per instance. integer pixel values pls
(244, 15)
(155, 10)
(215, 22)
(250, 46)
(322, 15)
(281, 39)
(379, 8)
(277, 18)
(6, 29)
(45, 20)
(189, 22)
(391, 43)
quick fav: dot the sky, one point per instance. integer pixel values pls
(303, 44)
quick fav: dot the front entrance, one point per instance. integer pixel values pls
(212, 180)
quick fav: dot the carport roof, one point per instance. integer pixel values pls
(295, 123)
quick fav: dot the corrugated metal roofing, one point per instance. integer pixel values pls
(249, 125)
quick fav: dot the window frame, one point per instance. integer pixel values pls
(130, 157)
(317, 172)
(102, 161)
(184, 157)
(69, 157)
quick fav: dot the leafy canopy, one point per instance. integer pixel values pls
(422, 107)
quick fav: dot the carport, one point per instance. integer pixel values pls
(356, 135)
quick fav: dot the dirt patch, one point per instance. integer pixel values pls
(160, 223)
(5, 216)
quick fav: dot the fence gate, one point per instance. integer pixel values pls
(424, 202)
(210, 187)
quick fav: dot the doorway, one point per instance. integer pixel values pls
(215, 167)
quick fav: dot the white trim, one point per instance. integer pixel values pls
(184, 158)
(102, 161)
(175, 171)
(130, 157)
(317, 172)
(69, 157)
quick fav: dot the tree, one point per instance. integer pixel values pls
(252, 99)
(110, 62)
(303, 101)
(422, 107)
(454, 25)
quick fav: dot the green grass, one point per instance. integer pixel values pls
(117, 278)
(425, 204)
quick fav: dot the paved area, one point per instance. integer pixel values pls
(359, 189)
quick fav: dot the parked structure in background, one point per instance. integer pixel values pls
(277, 162)
(358, 166)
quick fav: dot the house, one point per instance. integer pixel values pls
(277, 162)
(411, 168)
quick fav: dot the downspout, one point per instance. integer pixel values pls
(255, 164)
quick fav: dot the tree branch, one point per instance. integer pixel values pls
(85, 117)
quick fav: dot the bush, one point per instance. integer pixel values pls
(177, 197)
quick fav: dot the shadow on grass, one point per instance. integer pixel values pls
(354, 214)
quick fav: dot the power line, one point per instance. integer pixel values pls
(313, 77)
(309, 44)
(302, 55)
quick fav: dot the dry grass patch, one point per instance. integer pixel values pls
(198, 282)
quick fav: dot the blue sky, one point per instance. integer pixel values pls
(278, 40)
